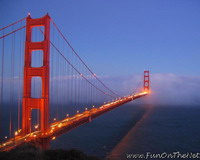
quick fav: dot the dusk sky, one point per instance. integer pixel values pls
(118, 39)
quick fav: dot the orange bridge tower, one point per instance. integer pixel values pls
(42, 103)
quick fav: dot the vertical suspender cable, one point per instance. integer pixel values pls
(19, 78)
(11, 84)
(2, 79)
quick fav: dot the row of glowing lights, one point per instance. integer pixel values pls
(37, 126)
(109, 103)
(67, 115)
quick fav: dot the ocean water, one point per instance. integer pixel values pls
(163, 129)
(137, 130)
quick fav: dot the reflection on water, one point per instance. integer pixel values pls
(128, 139)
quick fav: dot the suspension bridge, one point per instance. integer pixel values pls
(46, 89)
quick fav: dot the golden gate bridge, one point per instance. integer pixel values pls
(41, 72)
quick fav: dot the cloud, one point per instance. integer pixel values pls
(167, 89)
(175, 89)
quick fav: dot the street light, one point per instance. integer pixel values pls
(16, 133)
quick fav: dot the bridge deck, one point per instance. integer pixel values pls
(58, 128)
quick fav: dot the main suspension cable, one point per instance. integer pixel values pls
(65, 39)
(13, 23)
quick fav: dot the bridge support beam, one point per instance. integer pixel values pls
(29, 102)
(45, 143)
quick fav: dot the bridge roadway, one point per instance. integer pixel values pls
(60, 127)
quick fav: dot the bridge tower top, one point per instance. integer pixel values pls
(146, 81)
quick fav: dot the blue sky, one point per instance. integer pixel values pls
(120, 38)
